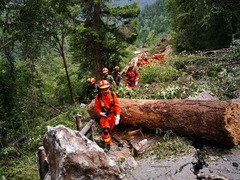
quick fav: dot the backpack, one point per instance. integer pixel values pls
(100, 96)
(131, 76)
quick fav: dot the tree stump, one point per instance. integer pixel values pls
(212, 120)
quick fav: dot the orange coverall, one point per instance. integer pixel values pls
(109, 121)
(159, 57)
(143, 59)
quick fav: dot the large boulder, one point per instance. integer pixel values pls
(73, 156)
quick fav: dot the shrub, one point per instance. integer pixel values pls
(157, 73)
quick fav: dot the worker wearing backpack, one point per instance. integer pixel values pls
(116, 75)
(131, 76)
(107, 106)
(107, 76)
(92, 89)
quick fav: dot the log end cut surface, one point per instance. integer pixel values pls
(232, 120)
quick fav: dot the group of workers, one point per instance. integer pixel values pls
(131, 75)
(144, 60)
(106, 102)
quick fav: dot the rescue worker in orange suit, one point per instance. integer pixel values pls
(131, 76)
(116, 75)
(143, 59)
(159, 57)
(156, 56)
(107, 106)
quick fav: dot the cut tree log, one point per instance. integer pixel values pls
(43, 166)
(78, 118)
(212, 120)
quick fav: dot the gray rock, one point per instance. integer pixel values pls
(206, 95)
(72, 156)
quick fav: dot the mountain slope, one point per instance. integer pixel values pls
(142, 3)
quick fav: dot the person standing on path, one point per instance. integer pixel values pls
(131, 76)
(107, 106)
(116, 75)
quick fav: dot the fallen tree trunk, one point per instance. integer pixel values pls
(212, 120)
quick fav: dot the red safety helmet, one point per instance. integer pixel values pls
(116, 68)
(91, 80)
(105, 70)
(104, 84)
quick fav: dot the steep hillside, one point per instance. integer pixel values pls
(142, 3)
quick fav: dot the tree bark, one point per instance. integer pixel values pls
(213, 120)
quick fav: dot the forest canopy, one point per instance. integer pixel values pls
(198, 25)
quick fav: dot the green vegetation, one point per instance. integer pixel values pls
(177, 79)
(45, 60)
(158, 73)
(102, 35)
(169, 145)
(153, 24)
(198, 25)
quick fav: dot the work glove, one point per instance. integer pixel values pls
(117, 119)
(103, 114)
(136, 83)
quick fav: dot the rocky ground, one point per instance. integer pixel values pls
(209, 162)
(223, 166)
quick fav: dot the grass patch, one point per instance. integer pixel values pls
(25, 169)
(19, 161)
(169, 146)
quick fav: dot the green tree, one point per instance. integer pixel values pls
(200, 24)
(103, 34)
(30, 22)
(152, 24)
(28, 27)
(13, 86)
(58, 27)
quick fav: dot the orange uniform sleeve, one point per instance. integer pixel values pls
(137, 77)
(126, 77)
(97, 106)
(117, 105)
